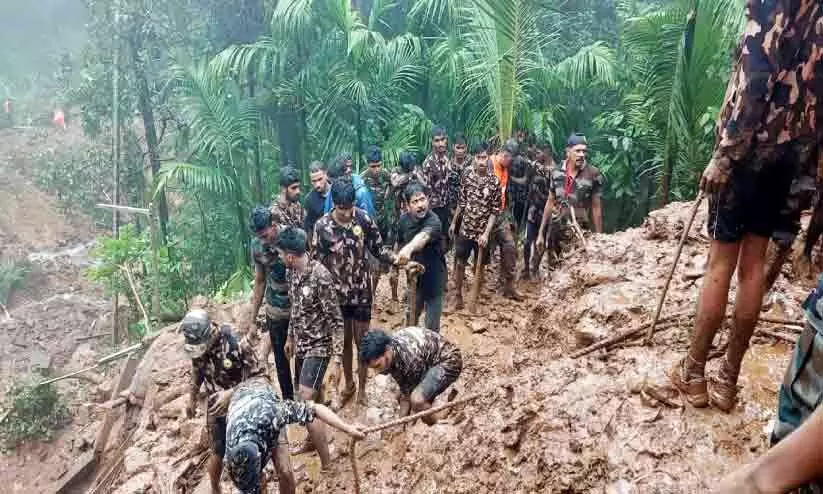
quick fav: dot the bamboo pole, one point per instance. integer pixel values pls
(137, 298)
(477, 282)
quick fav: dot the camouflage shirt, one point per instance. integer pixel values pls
(257, 414)
(773, 93)
(289, 214)
(268, 261)
(479, 199)
(228, 362)
(342, 250)
(588, 184)
(434, 174)
(456, 171)
(539, 191)
(415, 351)
(316, 323)
(379, 186)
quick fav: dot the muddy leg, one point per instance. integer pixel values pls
(815, 229)
(750, 284)
(360, 330)
(282, 465)
(459, 278)
(774, 268)
(215, 468)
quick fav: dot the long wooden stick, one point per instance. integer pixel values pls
(137, 298)
(477, 282)
(395, 423)
(677, 253)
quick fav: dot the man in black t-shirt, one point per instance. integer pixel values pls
(420, 234)
(315, 202)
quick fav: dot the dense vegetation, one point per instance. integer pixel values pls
(213, 97)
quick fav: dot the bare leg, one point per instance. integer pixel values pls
(750, 285)
(360, 330)
(348, 331)
(815, 228)
(317, 436)
(711, 305)
(282, 465)
(459, 277)
(215, 468)
(306, 394)
(774, 268)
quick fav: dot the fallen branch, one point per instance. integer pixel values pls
(775, 334)
(5, 311)
(137, 298)
(625, 335)
(91, 337)
(354, 469)
(777, 320)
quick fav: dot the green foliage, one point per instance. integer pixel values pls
(34, 412)
(12, 275)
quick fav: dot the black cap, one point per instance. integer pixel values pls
(576, 140)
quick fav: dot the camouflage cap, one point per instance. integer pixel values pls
(196, 327)
(245, 466)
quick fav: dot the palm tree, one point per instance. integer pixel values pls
(679, 58)
(222, 131)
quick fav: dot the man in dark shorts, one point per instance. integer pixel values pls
(270, 282)
(401, 177)
(795, 462)
(220, 361)
(477, 211)
(256, 424)
(434, 175)
(420, 234)
(342, 240)
(316, 325)
(539, 192)
(765, 134)
(422, 362)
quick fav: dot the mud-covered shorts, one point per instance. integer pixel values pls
(756, 193)
(217, 429)
(464, 247)
(440, 377)
(310, 371)
(360, 312)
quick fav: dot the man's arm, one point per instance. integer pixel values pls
(327, 294)
(194, 388)
(547, 215)
(325, 415)
(374, 242)
(793, 462)
(597, 214)
(257, 293)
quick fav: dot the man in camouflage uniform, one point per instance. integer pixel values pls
(270, 281)
(401, 177)
(422, 362)
(539, 192)
(477, 211)
(434, 175)
(504, 228)
(342, 240)
(460, 161)
(256, 432)
(221, 361)
(766, 131)
(316, 325)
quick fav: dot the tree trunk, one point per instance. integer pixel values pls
(257, 174)
(359, 149)
(152, 145)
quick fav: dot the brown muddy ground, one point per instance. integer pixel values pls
(544, 422)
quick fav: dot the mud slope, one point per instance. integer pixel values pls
(544, 422)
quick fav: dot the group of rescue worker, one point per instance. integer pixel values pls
(318, 264)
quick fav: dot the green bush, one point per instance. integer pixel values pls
(12, 275)
(34, 412)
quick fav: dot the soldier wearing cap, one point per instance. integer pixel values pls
(256, 432)
(220, 361)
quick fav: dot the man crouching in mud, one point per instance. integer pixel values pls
(422, 362)
(256, 432)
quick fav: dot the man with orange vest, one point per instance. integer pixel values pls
(503, 233)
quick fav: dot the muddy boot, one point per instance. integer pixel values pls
(459, 277)
(687, 378)
(723, 390)
(507, 273)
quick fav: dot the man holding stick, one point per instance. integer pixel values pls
(766, 130)
(478, 207)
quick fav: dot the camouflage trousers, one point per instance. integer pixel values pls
(801, 392)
